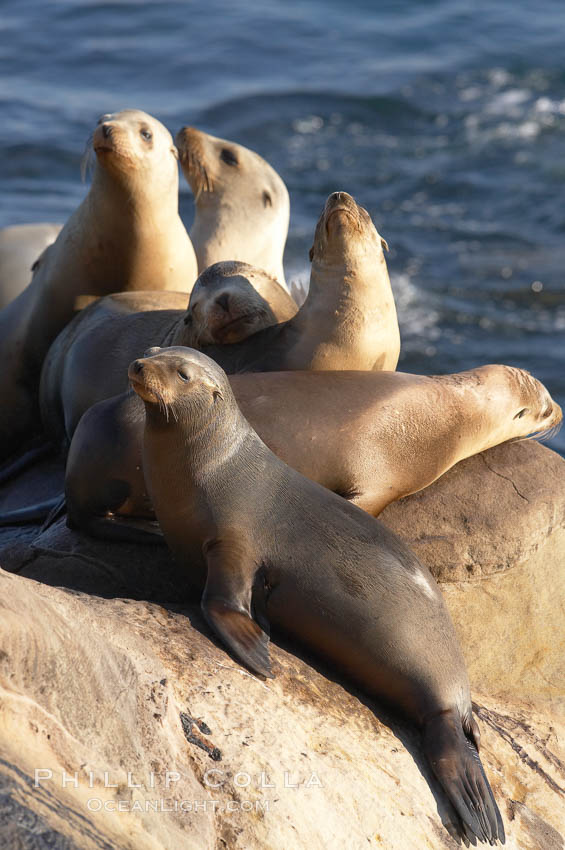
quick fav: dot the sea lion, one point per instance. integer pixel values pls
(348, 321)
(371, 437)
(229, 301)
(242, 205)
(20, 246)
(269, 547)
(125, 235)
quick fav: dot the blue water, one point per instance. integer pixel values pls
(445, 119)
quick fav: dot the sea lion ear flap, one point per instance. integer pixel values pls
(175, 152)
(311, 253)
(384, 244)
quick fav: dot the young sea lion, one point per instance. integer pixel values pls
(242, 205)
(268, 546)
(125, 235)
(89, 359)
(224, 307)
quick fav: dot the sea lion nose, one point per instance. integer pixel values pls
(137, 366)
(106, 130)
(337, 197)
(223, 301)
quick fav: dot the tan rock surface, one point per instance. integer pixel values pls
(487, 514)
(93, 684)
(98, 685)
(492, 531)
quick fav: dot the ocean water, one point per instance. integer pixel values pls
(445, 119)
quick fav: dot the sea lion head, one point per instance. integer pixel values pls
(132, 144)
(345, 233)
(533, 409)
(232, 300)
(241, 194)
(179, 384)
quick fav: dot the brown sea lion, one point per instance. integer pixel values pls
(224, 306)
(348, 321)
(125, 235)
(242, 206)
(371, 437)
(269, 547)
(229, 301)
(20, 247)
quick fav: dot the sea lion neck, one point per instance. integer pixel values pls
(205, 443)
(198, 428)
(362, 267)
(137, 197)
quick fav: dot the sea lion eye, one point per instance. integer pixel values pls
(183, 376)
(228, 157)
(267, 202)
(146, 134)
(521, 413)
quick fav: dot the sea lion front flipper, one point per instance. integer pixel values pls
(226, 605)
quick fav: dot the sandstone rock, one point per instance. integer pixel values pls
(492, 531)
(485, 515)
(98, 686)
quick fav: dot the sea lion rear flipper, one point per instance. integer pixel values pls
(456, 763)
(226, 605)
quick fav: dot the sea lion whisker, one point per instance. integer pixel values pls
(541, 436)
(87, 158)
(546, 433)
(164, 406)
(199, 173)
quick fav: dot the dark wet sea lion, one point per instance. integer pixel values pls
(125, 235)
(270, 547)
(242, 206)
